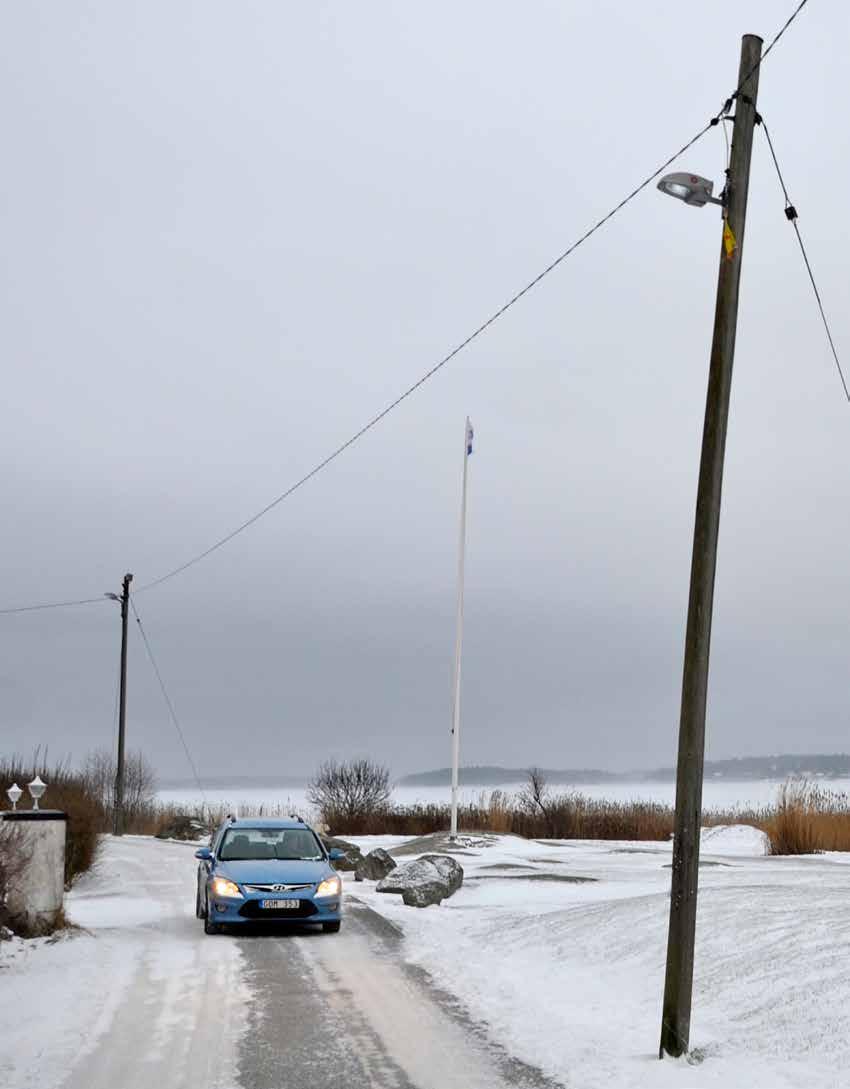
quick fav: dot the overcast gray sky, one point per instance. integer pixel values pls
(232, 232)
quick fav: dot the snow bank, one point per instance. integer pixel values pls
(734, 839)
(569, 976)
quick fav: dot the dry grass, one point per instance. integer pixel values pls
(567, 816)
(807, 819)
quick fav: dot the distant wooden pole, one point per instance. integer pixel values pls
(118, 809)
(461, 566)
(678, 983)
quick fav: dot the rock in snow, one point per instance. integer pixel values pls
(375, 866)
(429, 880)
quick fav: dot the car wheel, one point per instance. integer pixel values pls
(199, 908)
(209, 926)
(331, 928)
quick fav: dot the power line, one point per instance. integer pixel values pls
(494, 317)
(774, 40)
(55, 605)
(168, 702)
(791, 215)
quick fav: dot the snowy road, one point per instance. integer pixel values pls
(146, 999)
(553, 952)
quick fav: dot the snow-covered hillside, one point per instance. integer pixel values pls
(569, 974)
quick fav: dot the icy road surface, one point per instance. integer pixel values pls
(142, 999)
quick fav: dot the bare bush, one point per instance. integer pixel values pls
(534, 796)
(99, 774)
(349, 793)
(13, 859)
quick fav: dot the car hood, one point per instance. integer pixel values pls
(274, 872)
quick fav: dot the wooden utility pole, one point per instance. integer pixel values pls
(461, 566)
(118, 809)
(678, 983)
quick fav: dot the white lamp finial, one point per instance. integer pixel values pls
(36, 789)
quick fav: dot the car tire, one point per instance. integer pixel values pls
(332, 928)
(199, 909)
(209, 926)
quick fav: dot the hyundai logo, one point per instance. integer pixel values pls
(279, 888)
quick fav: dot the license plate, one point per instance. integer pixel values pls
(285, 905)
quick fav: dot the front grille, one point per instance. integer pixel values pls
(251, 910)
(277, 888)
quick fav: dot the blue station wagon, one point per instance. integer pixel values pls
(263, 870)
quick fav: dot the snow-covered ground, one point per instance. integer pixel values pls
(134, 970)
(569, 974)
(556, 948)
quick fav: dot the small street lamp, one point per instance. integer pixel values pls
(36, 789)
(14, 794)
(690, 188)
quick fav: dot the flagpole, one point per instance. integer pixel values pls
(467, 449)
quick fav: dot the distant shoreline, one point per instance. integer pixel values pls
(750, 770)
(740, 770)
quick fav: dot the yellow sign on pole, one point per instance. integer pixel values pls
(729, 241)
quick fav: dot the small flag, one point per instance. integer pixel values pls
(469, 434)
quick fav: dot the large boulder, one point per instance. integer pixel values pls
(375, 866)
(352, 855)
(449, 869)
(428, 880)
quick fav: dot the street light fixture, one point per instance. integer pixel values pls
(690, 188)
(14, 794)
(36, 789)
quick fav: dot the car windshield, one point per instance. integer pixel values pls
(240, 844)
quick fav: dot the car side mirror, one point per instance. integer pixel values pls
(203, 853)
(335, 854)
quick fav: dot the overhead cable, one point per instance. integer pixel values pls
(429, 374)
(55, 605)
(168, 702)
(494, 317)
(791, 216)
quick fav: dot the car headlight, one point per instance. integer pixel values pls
(331, 886)
(223, 887)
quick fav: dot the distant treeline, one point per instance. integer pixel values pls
(829, 765)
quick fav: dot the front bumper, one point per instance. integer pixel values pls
(248, 910)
